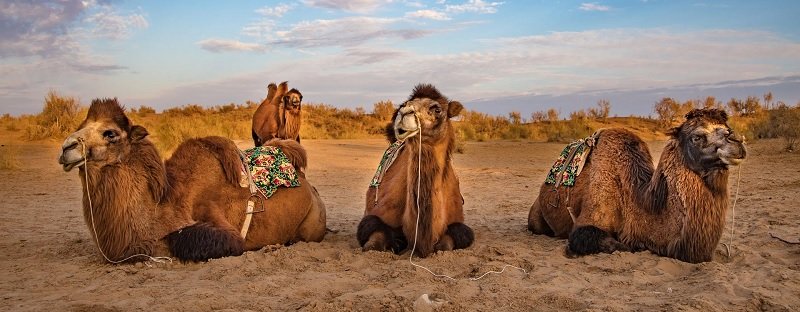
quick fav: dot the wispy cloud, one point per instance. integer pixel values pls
(344, 32)
(428, 14)
(593, 6)
(110, 24)
(474, 6)
(276, 11)
(358, 6)
(223, 45)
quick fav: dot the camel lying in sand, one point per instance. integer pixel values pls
(191, 207)
(620, 202)
(417, 189)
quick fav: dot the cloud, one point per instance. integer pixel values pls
(344, 32)
(223, 45)
(593, 6)
(110, 24)
(428, 14)
(37, 27)
(277, 11)
(357, 6)
(474, 6)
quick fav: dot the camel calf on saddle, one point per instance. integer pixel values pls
(621, 202)
(414, 197)
(193, 206)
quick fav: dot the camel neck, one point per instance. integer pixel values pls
(683, 204)
(119, 204)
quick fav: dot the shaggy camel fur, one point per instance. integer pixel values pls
(279, 115)
(390, 221)
(620, 202)
(191, 207)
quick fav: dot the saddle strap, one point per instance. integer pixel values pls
(250, 209)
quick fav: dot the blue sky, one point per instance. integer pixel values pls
(494, 56)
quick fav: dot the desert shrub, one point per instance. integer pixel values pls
(60, 116)
(782, 122)
(144, 110)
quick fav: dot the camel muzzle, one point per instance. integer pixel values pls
(71, 154)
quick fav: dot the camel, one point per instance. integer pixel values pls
(620, 202)
(192, 206)
(413, 192)
(279, 115)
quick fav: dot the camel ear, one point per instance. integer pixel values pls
(137, 133)
(454, 109)
(285, 99)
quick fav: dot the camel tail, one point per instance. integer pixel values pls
(203, 241)
(228, 155)
(292, 149)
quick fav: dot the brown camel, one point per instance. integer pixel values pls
(415, 193)
(191, 207)
(620, 202)
(279, 115)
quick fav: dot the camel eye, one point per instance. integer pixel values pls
(697, 139)
(437, 110)
(109, 134)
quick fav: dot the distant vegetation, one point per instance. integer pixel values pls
(752, 117)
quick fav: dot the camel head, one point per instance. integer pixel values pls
(708, 142)
(103, 138)
(427, 110)
(291, 100)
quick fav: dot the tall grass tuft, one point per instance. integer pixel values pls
(60, 116)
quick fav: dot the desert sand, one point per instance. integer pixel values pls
(49, 263)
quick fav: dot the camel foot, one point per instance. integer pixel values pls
(444, 244)
(461, 235)
(374, 234)
(587, 240)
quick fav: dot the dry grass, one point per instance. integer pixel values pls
(61, 115)
(9, 157)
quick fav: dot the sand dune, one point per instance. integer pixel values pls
(48, 261)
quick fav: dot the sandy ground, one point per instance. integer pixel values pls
(48, 261)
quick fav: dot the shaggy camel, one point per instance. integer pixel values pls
(413, 192)
(191, 207)
(620, 202)
(279, 115)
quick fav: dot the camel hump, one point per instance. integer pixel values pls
(228, 155)
(293, 151)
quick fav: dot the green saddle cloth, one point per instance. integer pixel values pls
(388, 158)
(270, 169)
(570, 162)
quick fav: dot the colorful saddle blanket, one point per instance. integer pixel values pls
(388, 158)
(570, 162)
(270, 169)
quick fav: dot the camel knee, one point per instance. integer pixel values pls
(203, 241)
(374, 234)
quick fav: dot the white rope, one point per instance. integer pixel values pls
(416, 226)
(733, 211)
(91, 215)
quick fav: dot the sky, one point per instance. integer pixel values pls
(493, 56)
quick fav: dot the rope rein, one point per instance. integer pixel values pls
(416, 226)
(733, 212)
(91, 215)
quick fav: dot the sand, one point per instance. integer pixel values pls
(48, 261)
